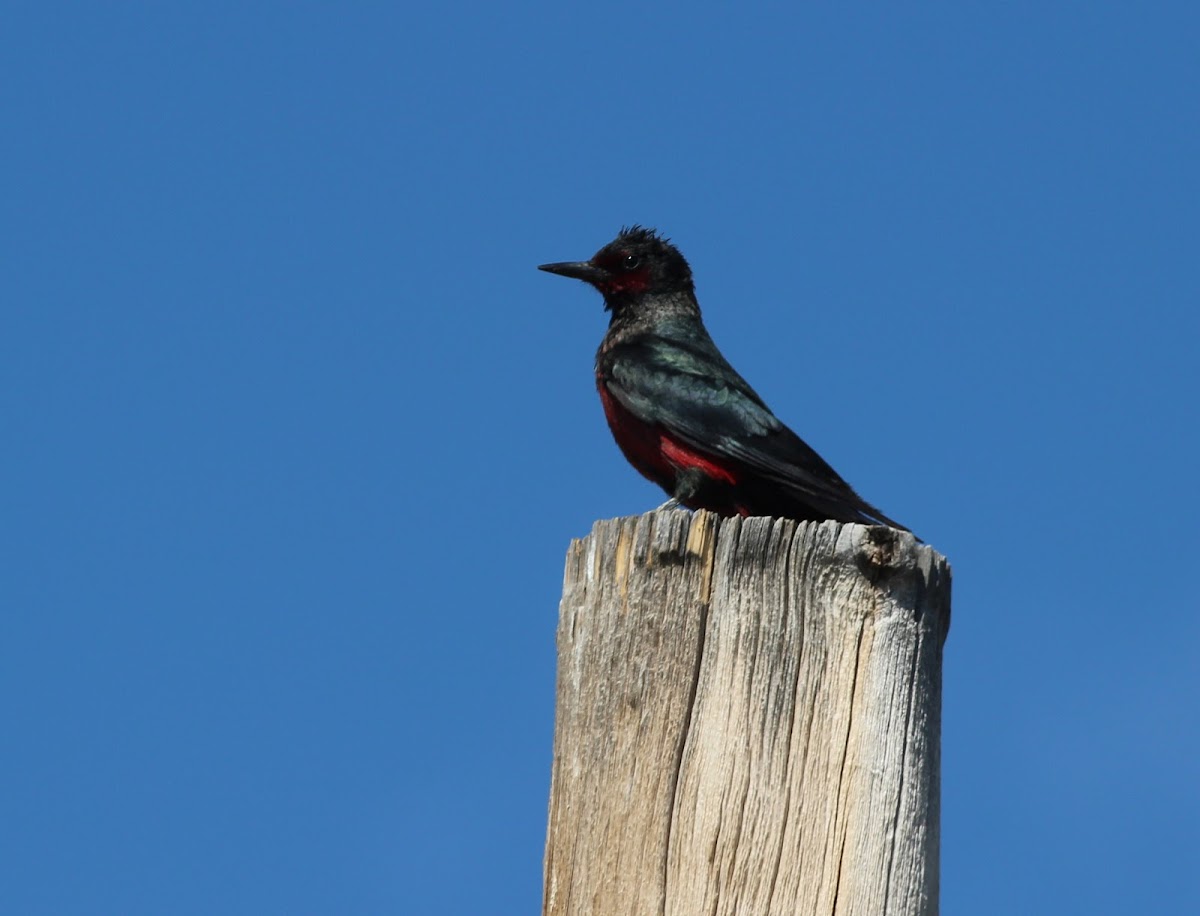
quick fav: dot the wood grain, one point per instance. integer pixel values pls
(748, 720)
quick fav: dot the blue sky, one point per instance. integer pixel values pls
(296, 435)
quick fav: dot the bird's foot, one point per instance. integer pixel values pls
(672, 503)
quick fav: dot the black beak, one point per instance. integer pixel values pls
(580, 270)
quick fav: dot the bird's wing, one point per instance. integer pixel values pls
(691, 391)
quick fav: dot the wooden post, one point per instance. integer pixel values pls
(748, 721)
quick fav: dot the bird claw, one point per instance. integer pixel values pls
(672, 503)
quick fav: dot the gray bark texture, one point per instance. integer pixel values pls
(748, 720)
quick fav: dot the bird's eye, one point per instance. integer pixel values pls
(631, 262)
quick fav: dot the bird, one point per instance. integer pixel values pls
(680, 413)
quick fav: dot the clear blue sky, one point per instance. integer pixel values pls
(295, 435)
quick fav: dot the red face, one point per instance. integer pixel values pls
(628, 273)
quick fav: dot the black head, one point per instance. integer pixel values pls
(636, 262)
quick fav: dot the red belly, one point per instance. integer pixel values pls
(655, 454)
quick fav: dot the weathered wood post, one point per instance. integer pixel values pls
(748, 720)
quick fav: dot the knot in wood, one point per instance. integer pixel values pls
(882, 553)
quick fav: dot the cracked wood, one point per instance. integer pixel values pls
(748, 720)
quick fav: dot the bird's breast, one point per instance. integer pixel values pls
(640, 442)
(655, 454)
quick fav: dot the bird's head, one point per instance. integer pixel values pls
(636, 263)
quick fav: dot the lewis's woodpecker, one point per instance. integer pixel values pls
(680, 413)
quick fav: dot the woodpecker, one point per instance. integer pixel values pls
(680, 413)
